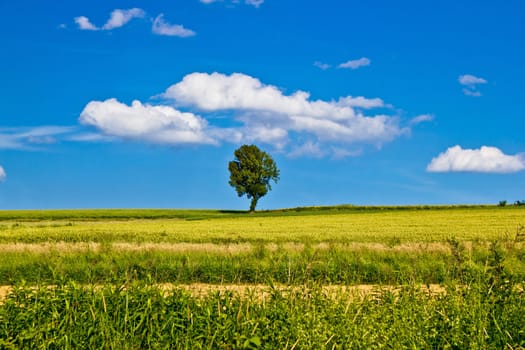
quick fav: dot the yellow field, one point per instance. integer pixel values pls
(479, 224)
(304, 276)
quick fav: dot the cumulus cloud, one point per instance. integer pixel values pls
(216, 91)
(3, 175)
(354, 64)
(471, 83)
(29, 138)
(214, 108)
(261, 105)
(157, 124)
(161, 27)
(117, 19)
(484, 160)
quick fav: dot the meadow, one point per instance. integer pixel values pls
(434, 277)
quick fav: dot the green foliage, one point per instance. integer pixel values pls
(251, 172)
(258, 263)
(100, 284)
(485, 314)
(502, 203)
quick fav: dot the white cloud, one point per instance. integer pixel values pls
(361, 102)
(117, 19)
(316, 150)
(264, 107)
(216, 91)
(161, 27)
(469, 80)
(269, 134)
(421, 119)
(308, 149)
(84, 23)
(27, 138)
(157, 124)
(90, 137)
(471, 83)
(472, 92)
(241, 109)
(354, 64)
(340, 153)
(3, 175)
(376, 130)
(321, 65)
(484, 160)
(255, 3)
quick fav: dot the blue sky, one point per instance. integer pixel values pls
(136, 104)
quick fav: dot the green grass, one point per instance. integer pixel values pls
(325, 264)
(381, 226)
(485, 314)
(90, 278)
(194, 214)
(342, 245)
(105, 214)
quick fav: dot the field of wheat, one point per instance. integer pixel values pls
(419, 277)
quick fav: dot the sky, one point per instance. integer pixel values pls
(141, 104)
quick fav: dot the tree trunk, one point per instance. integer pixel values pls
(253, 204)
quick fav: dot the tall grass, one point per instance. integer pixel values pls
(81, 280)
(485, 313)
(324, 264)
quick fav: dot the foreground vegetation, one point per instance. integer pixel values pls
(342, 245)
(241, 264)
(120, 278)
(485, 313)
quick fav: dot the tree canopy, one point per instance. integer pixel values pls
(251, 172)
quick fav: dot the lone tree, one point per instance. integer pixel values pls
(251, 172)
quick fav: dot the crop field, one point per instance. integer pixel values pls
(305, 278)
